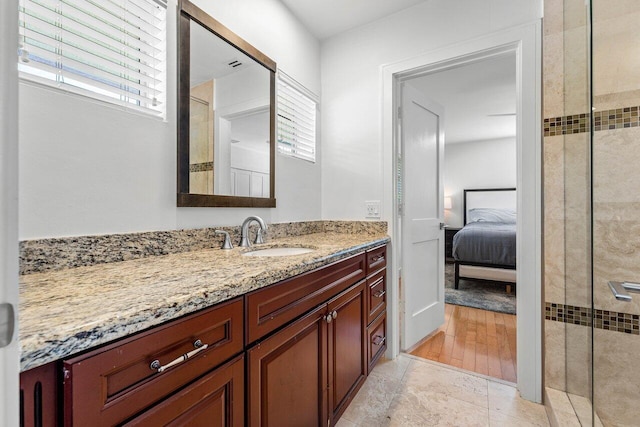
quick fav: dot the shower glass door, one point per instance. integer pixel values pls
(615, 189)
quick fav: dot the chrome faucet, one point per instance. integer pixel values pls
(244, 238)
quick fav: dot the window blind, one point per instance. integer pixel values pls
(296, 119)
(113, 50)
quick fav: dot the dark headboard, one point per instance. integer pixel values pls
(489, 198)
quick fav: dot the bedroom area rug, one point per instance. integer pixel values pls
(483, 295)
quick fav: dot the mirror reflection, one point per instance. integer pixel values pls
(229, 119)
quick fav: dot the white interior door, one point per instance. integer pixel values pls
(422, 147)
(10, 354)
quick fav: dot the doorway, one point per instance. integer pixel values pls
(477, 329)
(524, 42)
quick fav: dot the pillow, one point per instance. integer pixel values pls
(504, 216)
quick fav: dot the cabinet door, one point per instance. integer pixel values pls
(347, 349)
(286, 376)
(215, 400)
(39, 396)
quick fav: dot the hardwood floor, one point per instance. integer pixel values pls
(476, 340)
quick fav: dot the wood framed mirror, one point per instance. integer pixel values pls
(226, 116)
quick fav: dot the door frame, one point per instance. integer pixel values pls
(526, 42)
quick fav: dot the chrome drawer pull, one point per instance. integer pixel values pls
(377, 258)
(379, 294)
(379, 340)
(155, 365)
(620, 289)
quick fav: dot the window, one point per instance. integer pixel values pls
(113, 50)
(296, 119)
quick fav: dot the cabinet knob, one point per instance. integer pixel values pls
(328, 318)
(334, 314)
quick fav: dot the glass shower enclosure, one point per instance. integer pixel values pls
(592, 207)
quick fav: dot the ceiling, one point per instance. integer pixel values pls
(325, 18)
(479, 98)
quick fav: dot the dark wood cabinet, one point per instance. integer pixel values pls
(290, 354)
(376, 340)
(109, 385)
(39, 396)
(286, 375)
(307, 373)
(269, 308)
(347, 348)
(215, 400)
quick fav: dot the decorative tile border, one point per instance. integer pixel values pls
(201, 167)
(69, 252)
(618, 118)
(564, 125)
(603, 319)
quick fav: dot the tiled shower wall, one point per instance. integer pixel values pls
(616, 203)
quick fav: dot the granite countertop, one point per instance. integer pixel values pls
(67, 311)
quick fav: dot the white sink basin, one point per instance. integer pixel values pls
(279, 252)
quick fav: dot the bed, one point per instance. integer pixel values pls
(485, 248)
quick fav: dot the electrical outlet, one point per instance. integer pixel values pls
(372, 208)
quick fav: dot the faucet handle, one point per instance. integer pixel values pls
(259, 239)
(227, 239)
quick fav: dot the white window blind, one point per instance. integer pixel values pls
(114, 50)
(296, 119)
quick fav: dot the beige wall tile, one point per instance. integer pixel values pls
(554, 266)
(617, 226)
(553, 74)
(604, 9)
(615, 54)
(553, 16)
(555, 355)
(199, 182)
(616, 378)
(576, 94)
(578, 353)
(575, 14)
(554, 177)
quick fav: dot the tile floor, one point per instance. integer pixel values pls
(410, 391)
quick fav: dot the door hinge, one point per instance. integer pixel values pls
(399, 112)
(7, 324)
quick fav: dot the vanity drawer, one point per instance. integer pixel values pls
(109, 385)
(376, 259)
(269, 308)
(217, 399)
(376, 295)
(377, 340)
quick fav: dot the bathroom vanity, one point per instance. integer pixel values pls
(271, 341)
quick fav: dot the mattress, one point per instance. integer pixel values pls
(486, 243)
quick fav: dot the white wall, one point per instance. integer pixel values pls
(88, 168)
(352, 87)
(476, 164)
